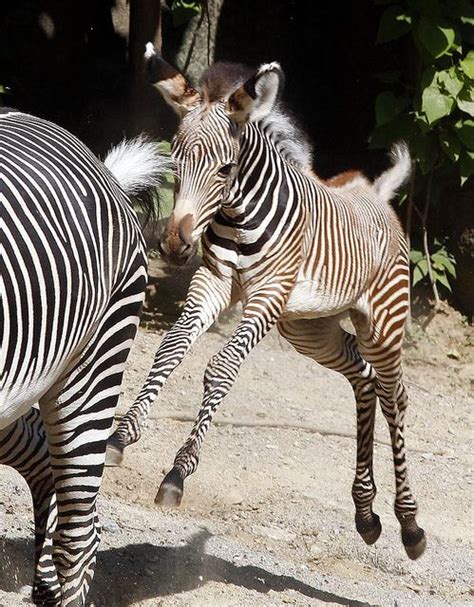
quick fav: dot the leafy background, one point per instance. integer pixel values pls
(430, 104)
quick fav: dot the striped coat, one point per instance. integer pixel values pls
(74, 270)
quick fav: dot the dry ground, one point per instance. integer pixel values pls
(267, 519)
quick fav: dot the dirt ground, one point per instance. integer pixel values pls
(267, 520)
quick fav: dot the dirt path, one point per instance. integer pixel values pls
(268, 517)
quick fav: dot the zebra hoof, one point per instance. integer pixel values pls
(170, 492)
(414, 543)
(114, 454)
(369, 530)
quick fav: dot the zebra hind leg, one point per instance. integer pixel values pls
(23, 446)
(328, 344)
(384, 352)
(78, 417)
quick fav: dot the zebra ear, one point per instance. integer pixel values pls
(174, 87)
(256, 98)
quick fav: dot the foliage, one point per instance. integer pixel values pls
(165, 196)
(442, 266)
(184, 10)
(431, 102)
(162, 198)
(3, 92)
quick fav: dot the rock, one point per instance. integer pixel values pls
(233, 498)
(110, 527)
(26, 590)
(274, 533)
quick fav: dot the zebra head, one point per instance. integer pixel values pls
(207, 145)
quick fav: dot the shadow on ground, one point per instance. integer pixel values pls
(137, 572)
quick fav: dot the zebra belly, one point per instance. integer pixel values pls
(309, 300)
(9, 414)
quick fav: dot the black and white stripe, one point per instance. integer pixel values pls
(298, 254)
(73, 279)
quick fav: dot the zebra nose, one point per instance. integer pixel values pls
(175, 249)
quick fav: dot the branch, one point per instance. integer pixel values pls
(426, 250)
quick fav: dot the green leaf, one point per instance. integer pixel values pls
(436, 37)
(393, 24)
(465, 132)
(387, 107)
(428, 77)
(467, 65)
(441, 261)
(465, 100)
(450, 81)
(435, 104)
(466, 165)
(426, 151)
(184, 10)
(399, 128)
(416, 255)
(442, 279)
(450, 145)
(417, 276)
(450, 267)
(465, 10)
(165, 147)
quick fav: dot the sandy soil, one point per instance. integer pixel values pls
(267, 519)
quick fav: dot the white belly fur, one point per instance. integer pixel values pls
(308, 300)
(17, 400)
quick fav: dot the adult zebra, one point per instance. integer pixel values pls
(74, 270)
(297, 253)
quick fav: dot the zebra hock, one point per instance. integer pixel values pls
(297, 252)
(74, 271)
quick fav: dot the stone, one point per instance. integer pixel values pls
(110, 527)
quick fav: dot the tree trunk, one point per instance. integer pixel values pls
(199, 40)
(145, 26)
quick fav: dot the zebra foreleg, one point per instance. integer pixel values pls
(23, 446)
(219, 377)
(207, 297)
(328, 344)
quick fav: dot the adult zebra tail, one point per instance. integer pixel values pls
(387, 184)
(137, 164)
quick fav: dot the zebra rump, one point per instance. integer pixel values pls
(74, 272)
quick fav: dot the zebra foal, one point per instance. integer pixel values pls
(74, 271)
(298, 253)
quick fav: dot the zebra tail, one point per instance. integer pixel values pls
(387, 184)
(137, 165)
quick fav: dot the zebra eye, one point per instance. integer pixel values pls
(225, 170)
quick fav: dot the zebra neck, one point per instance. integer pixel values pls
(265, 187)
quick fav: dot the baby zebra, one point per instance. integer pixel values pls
(298, 254)
(74, 271)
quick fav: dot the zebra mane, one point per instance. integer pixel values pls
(290, 140)
(221, 79)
